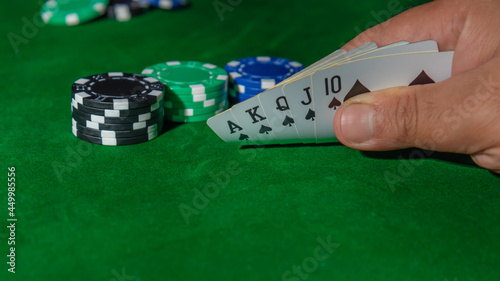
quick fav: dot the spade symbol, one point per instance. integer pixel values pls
(243, 137)
(422, 79)
(264, 130)
(288, 121)
(357, 89)
(310, 115)
(335, 102)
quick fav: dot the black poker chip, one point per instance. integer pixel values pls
(117, 90)
(117, 127)
(116, 120)
(114, 141)
(115, 112)
(118, 134)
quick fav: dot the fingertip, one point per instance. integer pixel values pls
(359, 122)
(489, 160)
(337, 126)
(356, 123)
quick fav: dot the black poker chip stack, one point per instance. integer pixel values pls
(117, 108)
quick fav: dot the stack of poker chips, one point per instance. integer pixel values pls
(194, 92)
(117, 108)
(167, 4)
(124, 10)
(75, 12)
(72, 12)
(253, 75)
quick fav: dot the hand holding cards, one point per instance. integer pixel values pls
(301, 108)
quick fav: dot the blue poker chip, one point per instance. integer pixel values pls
(234, 99)
(241, 98)
(245, 90)
(167, 4)
(261, 72)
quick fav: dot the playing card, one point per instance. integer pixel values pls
(333, 56)
(368, 49)
(305, 107)
(299, 96)
(292, 110)
(276, 108)
(429, 46)
(328, 58)
(331, 87)
(228, 128)
(339, 55)
(253, 120)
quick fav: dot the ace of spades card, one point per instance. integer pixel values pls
(331, 87)
(228, 128)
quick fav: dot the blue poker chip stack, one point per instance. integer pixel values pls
(252, 76)
(167, 4)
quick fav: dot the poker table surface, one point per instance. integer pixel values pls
(187, 206)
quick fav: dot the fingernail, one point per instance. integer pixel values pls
(357, 123)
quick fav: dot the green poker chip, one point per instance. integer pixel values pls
(201, 104)
(171, 96)
(195, 111)
(190, 119)
(232, 92)
(72, 12)
(189, 77)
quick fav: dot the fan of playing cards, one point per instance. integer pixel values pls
(302, 107)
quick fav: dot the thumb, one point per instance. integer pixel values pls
(457, 115)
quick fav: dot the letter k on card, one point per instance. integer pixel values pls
(253, 120)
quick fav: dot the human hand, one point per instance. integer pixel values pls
(460, 114)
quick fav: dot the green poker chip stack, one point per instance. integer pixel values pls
(195, 90)
(72, 12)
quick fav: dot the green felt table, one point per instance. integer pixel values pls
(187, 206)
